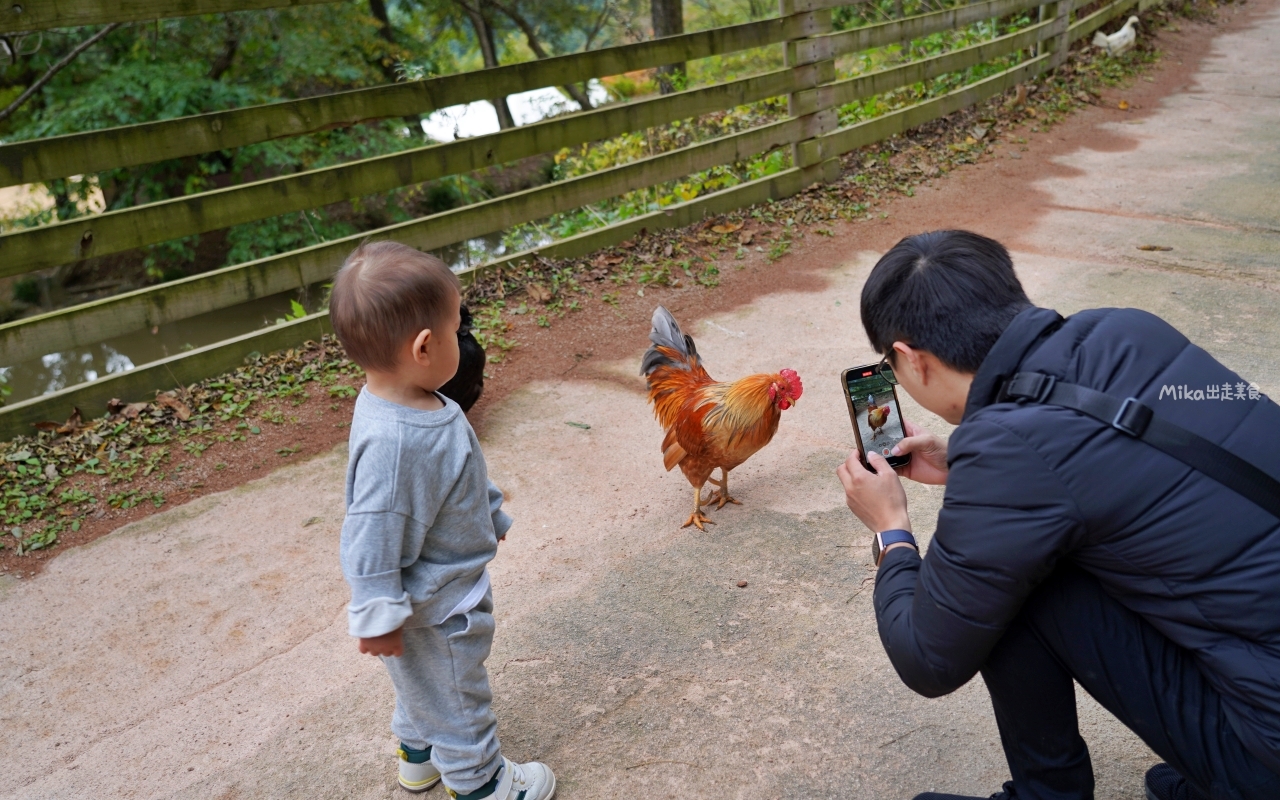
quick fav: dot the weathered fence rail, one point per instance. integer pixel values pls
(810, 130)
(35, 15)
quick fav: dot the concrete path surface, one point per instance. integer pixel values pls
(203, 652)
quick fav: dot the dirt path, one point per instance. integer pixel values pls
(202, 652)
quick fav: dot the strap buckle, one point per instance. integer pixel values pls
(1132, 418)
(1033, 386)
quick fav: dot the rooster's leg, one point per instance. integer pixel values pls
(697, 518)
(722, 496)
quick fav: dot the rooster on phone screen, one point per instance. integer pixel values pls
(708, 423)
(876, 417)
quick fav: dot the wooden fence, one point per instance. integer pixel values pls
(810, 130)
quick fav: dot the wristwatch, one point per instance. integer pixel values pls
(885, 538)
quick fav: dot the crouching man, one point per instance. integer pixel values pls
(1098, 525)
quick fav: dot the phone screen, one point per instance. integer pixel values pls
(875, 411)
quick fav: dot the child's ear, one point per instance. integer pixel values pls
(421, 342)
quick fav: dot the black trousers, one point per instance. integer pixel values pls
(1070, 628)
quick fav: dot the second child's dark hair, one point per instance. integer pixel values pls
(385, 294)
(950, 293)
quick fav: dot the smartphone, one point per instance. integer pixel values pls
(875, 413)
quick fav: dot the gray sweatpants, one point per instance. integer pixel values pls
(443, 697)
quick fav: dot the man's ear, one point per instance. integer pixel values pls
(914, 360)
(421, 354)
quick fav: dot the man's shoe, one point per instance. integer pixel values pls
(417, 773)
(1004, 794)
(530, 781)
(1164, 783)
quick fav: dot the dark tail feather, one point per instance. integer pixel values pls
(666, 333)
(465, 386)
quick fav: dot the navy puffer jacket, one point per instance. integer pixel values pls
(1032, 485)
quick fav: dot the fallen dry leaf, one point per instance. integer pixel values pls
(1155, 247)
(728, 227)
(538, 293)
(74, 422)
(1123, 105)
(742, 584)
(46, 425)
(745, 237)
(132, 410)
(180, 409)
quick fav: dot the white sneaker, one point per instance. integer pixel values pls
(530, 781)
(417, 777)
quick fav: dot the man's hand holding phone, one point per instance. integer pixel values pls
(877, 498)
(928, 455)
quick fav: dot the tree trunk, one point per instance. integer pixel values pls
(668, 20)
(489, 51)
(378, 10)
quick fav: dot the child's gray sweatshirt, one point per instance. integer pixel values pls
(423, 518)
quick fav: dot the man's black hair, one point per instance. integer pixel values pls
(951, 293)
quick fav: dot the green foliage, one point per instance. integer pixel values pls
(629, 147)
(27, 290)
(296, 312)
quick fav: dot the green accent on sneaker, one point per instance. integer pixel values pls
(484, 791)
(407, 753)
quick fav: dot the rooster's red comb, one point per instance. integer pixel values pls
(793, 380)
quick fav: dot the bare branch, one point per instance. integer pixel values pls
(530, 35)
(55, 69)
(591, 35)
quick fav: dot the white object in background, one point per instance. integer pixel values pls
(1120, 41)
(479, 118)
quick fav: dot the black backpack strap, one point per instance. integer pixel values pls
(1131, 417)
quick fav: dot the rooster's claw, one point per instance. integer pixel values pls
(720, 498)
(698, 519)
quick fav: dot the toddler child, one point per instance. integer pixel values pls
(423, 520)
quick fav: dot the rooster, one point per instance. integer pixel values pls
(709, 424)
(467, 383)
(876, 417)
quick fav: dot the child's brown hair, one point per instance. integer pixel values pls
(385, 293)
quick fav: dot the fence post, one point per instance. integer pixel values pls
(812, 104)
(1060, 43)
